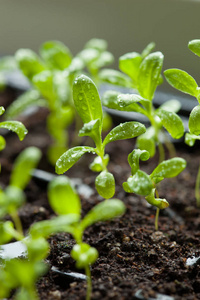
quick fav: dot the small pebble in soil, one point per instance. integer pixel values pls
(55, 295)
(157, 236)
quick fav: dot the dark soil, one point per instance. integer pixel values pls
(132, 255)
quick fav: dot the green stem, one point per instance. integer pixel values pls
(156, 218)
(197, 186)
(89, 282)
(17, 222)
(161, 152)
(170, 147)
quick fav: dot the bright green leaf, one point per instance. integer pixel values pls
(92, 129)
(194, 120)
(190, 139)
(2, 110)
(56, 55)
(5, 235)
(194, 46)
(172, 122)
(147, 50)
(98, 165)
(157, 202)
(98, 44)
(2, 143)
(149, 74)
(146, 142)
(182, 81)
(103, 211)
(123, 131)
(140, 183)
(23, 167)
(70, 157)
(84, 255)
(105, 184)
(134, 158)
(86, 99)
(169, 168)
(16, 127)
(172, 105)
(114, 77)
(29, 62)
(62, 197)
(129, 64)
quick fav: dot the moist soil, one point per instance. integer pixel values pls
(132, 255)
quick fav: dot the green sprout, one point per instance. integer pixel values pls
(51, 75)
(66, 203)
(88, 105)
(144, 74)
(13, 273)
(185, 83)
(143, 184)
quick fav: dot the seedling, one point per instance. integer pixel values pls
(13, 273)
(143, 184)
(185, 83)
(88, 105)
(144, 73)
(51, 75)
(66, 203)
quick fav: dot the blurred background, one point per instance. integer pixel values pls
(127, 25)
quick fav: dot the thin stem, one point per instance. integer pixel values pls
(17, 222)
(161, 152)
(197, 186)
(156, 218)
(170, 147)
(89, 282)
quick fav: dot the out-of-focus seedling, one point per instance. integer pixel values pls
(88, 105)
(66, 203)
(143, 184)
(51, 75)
(185, 83)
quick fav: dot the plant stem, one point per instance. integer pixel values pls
(197, 186)
(17, 222)
(156, 218)
(89, 282)
(161, 152)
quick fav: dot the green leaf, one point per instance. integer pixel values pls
(172, 122)
(146, 142)
(70, 157)
(16, 127)
(62, 197)
(103, 60)
(123, 131)
(140, 183)
(23, 167)
(86, 99)
(134, 158)
(172, 105)
(88, 55)
(56, 55)
(194, 120)
(84, 255)
(147, 50)
(190, 139)
(107, 121)
(114, 77)
(130, 101)
(29, 62)
(103, 211)
(2, 110)
(98, 44)
(169, 168)
(2, 143)
(24, 101)
(61, 223)
(129, 64)
(5, 235)
(194, 46)
(149, 74)
(181, 81)
(110, 100)
(105, 184)
(92, 129)
(11, 200)
(38, 249)
(98, 165)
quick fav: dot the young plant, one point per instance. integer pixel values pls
(88, 105)
(14, 126)
(17, 273)
(143, 184)
(144, 73)
(185, 83)
(51, 76)
(66, 203)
